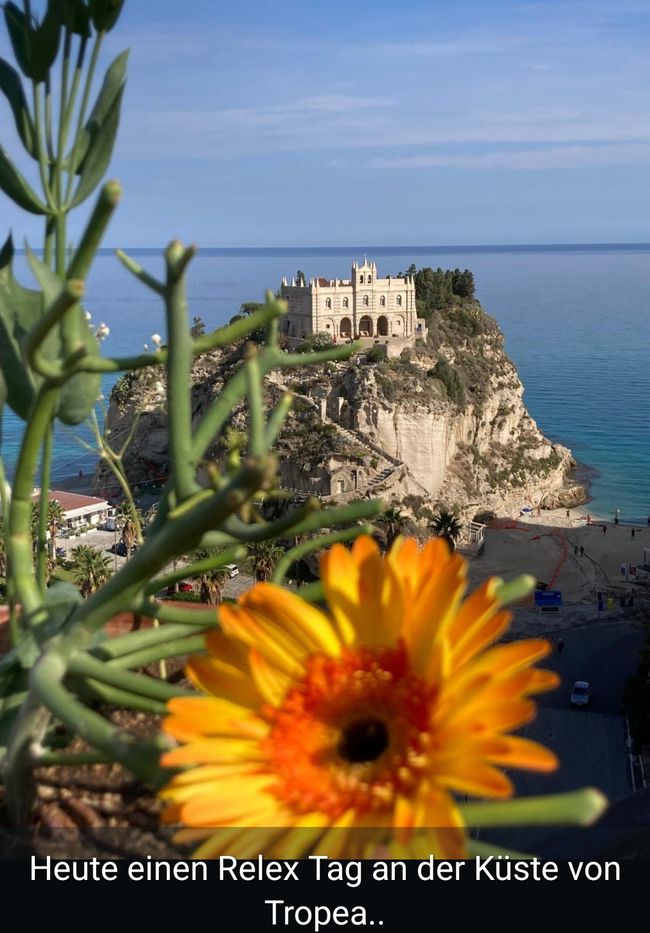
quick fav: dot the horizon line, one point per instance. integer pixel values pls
(456, 247)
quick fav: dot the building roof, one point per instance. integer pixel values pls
(72, 500)
(322, 281)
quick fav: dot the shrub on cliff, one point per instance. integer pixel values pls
(449, 377)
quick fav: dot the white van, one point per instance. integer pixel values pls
(232, 570)
(109, 524)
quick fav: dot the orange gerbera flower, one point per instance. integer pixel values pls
(369, 716)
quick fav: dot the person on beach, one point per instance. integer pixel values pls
(575, 548)
(616, 519)
(588, 519)
(604, 529)
(632, 532)
(582, 551)
(568, 514)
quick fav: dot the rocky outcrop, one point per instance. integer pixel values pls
(444, 425)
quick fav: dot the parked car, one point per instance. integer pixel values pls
(185, 587)
(581, 693)
(232, 570)
(61, 552)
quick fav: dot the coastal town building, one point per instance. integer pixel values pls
(364, 307)
(79, 510)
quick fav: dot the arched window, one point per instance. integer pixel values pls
(345, 302)
(382, 301)
(369, 279)
(365, 301)
(399, 301)
(328, 303)
(361, 279)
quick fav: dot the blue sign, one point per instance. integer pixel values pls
(548, 598)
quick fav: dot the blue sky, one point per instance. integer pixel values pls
(379, 123)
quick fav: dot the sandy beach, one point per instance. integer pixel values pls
(548, 546)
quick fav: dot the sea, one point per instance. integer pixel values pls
(576, 321)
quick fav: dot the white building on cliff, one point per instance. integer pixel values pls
(377, 311)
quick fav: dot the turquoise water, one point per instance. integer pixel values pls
(575, 321)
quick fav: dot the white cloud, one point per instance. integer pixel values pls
(558, 157)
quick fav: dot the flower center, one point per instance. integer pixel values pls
(363, 740)
(353, 733)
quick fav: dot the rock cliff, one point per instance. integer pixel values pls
(442, 425)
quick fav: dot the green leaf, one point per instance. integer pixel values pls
(76, 17)
(16, 187)
(105, 13)
(44, 41)
(20, 308)
(111, 86)
(110, 91)
(94, 166)
(18, 29)
(79, 394)
(12, 88)
(13, 692)
(3, 399)
(35, 45)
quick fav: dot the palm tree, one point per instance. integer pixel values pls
(264, 556)
(448, 527)
(90, 568)
(211, 582)
(392, 523)
(129, 529)
(55, 518)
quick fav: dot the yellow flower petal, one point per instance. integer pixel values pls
(194, 717)
(271, 682)
(213, 751)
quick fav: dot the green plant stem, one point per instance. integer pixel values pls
(277, 419)
(306, 519)
(46, 681)
(49, 139)
(133, 642)
(90, 688)
(29, 730)
(219, 411)
(5, 502)
(71, 292)
(87, 666)
(179, 365)
(193, 570)
(140, 273)
(576, 808)
(19, 541)
(69, 759)
(255, 403)
(60, 236)
(313, 592)
(315, 544)
(44, 501)
(168, 649)
(40, 154)
(99, 38)
(107, 201)
(181, 532)
(177, 613)
(269, 359)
